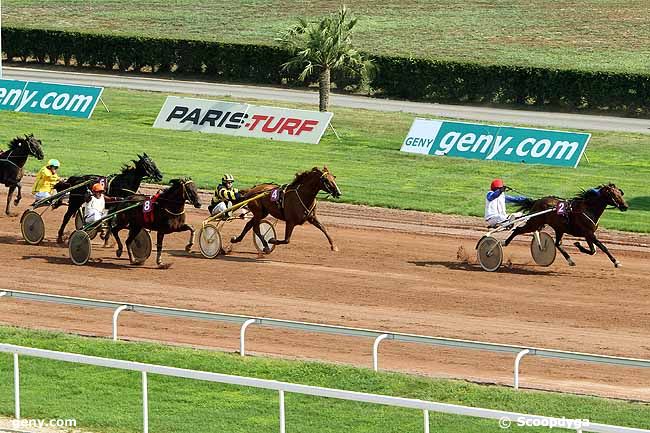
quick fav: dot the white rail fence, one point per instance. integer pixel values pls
(282, 387)
(378, 336)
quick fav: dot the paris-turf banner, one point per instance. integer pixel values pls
(49, 98)
(231, 118)
(498, 143)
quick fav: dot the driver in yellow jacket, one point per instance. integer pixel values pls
(46, 178)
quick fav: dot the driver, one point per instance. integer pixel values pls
(95, 205)
(225, 195)
(495, 204)
(46, 178)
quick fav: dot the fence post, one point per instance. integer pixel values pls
(375, 350)
(517, 361)
(116, 314)
(16, 386)
(242, 336)
(282, 419)
(426, 421)
(145, 403)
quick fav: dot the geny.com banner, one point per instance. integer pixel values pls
(499, 143)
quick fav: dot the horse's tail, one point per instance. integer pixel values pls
(526, 205)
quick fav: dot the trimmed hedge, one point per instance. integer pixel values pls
(407, 78)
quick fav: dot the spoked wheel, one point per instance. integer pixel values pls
(489, 253)
(543, 252)
(79, 219)
(32, 227)
(141, 246)
(267, 230)
(210, 241)
(79, 247)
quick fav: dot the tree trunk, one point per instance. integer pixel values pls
(324, 90)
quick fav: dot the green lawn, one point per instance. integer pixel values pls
(585, 34)
(370, 168)
(107, 400)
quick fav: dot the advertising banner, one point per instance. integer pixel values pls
(231, 118)
(498, 143)
(49, 98)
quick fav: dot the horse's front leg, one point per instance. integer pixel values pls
(606, 251)
(115, 230)
(558, 245)
(591, 251)
(314, 221)
(19, 194)
(133, 232)
(66, 218)
(186, 227)
(288, 229)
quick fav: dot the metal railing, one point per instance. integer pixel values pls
(246, 321)
(282, 387)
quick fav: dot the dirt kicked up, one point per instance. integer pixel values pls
(396, 271)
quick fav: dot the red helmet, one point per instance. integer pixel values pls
(496, 184)
(98, 187)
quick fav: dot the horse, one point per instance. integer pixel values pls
(12, 162)
(297, 206)
(118, 185)
(163, 213)
(578, 217)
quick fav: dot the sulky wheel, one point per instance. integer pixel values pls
(210, 241)
(32, 227)
(489, 253)
(79, 247)
(267, 230)
(543, 252)
(141, 246)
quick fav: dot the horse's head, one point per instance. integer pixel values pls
(613, 195)
(328, 183)
(29, 145)
(189, 191)
(148, 167)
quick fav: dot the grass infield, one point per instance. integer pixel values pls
(109, 400)
(599, 35)
(369, 167)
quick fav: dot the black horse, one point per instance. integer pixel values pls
(121, 185)
(578, 217)
(163, 213)
(12, 162)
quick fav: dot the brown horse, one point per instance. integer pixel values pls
(578, 217)
(166, 215)
(12, 162)
(297, 205)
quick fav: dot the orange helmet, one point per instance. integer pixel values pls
(98, 187)
(496, 184)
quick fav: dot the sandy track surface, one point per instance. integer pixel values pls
(396, 271)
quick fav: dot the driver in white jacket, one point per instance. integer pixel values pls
(495, 204)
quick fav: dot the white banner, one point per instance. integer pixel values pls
(231, 118)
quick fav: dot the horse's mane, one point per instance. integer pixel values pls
(127, 168)
(13, 144)
(591, 192)
(300, 177)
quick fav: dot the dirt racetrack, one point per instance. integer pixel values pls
(396, 271)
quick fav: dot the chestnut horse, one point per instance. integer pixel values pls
(167, 216)
(578, 217)
(297, 205)
(12, 162)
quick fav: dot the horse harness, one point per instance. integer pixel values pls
(308, 210)
(185, 198)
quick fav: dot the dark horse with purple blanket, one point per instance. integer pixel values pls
(578, 217)
(118, 185)
(165, 213)
(12, 162)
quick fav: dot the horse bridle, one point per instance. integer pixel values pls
(186, 198)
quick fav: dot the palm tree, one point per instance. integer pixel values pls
(323, 47)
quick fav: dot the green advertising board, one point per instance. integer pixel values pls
(497, 143)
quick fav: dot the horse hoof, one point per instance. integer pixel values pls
(267, 250)
(188, 248)
(335, 249)
(164, 265)
(617, 264)
(233, 240)
(571, 262)
(59, 240)
(118, 253)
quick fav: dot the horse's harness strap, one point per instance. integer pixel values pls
(590, 220)
(10, 161)
(308, 210)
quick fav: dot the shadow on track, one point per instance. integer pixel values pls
(462, 266)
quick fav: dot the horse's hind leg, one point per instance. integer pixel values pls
(314, 221)
(19, 194)
(606, 251)
(159, 246)
(9, 194)
(115, 230)
(246, 229)
(258, 233)
(558, 245)
(591, 251)
(133, 232)
(516, 232)
(66, 218)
